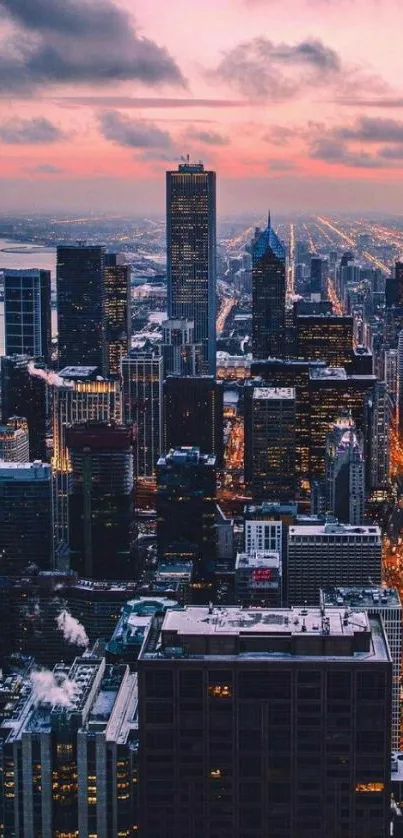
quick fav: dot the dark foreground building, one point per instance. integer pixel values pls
(24, 395)
(265, 724)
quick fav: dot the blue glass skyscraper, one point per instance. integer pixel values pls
(191, 253)
(268, 293)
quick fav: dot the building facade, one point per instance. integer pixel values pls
(272, 444)
(27, 313)
(182, 356)
(14, 440)
(345, 472)
(116, 312)
(268, 294)
(142, 375)
(193, 414)
(191, 253)
(26, 516)
(80, 305)
(24, 395)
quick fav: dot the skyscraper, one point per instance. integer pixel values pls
(325, 337)
(191, 253)
(325, 555)
(268, 297)
(316, 285)
(101, 500)
(345, 472)
(394, 287)
(186, 500)
(24, 395)
(117, 314)
(142, 373)
(273, 723)
(27, 313)
(193, 414)
(14, 440)
(377, 437)
(80, 305)
(270, 435)
(26, 516)
(182, 356)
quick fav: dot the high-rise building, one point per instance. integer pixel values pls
(258, 579)
(331, 390)
(385, 603)
(377, 437)
(24, 394)
(268, 297)
(27, 313)
(193, 414)
(325, 555)
(191, 253)
(400, 383)
(325, 337)
(390, 360)
(265, 723)
(345, 472)
(316, 285)
(394, 287)
(270, 431)
(182, 356)
(265, 526)
(186, 501)
(117, 313)
(80, 305)
(142, 374)
(101, 512)
(69, 752)
(14, 440)
(26, 516)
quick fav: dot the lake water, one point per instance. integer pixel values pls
(20, 255)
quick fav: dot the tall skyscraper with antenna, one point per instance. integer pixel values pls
(268, 294)
(191, 253)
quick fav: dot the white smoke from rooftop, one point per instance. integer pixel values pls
(48, 689)
(49, 376)
(72, 630)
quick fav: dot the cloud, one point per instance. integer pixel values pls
(373, 130)
(79, 41)
(279, 165)
(38, 131)
(330, 149)
(129, 133)
(376, 102)
(208, 137)
(394, 152)
(279, 135)
(133, 102)
(260, 69)
(48, 169)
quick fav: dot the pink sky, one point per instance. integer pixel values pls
(296, 103)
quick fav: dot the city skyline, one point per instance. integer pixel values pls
(284, 101)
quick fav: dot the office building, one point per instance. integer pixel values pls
(131, 630)
(193, 414)
(258, 579)
(80, 305)
(331, 390)
(69, 752)
(317, 275)
(27, 313)
(281, 726)
(191, 253)
(24, 394)
(384, 603)
(394, 287)
(268, 294)
(101, 508)
(362, 362)
(377, 437)
(116, 312)
(265, 525)
(329, 555)
(186, 509)
(14, 440)
(345, 472)
(26, 516)
(276, 372)
(182, 356)
(271, 440)
(390, 360)
(142, 375)
(325, 337)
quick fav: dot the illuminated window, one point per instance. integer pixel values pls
(220, 691)
(215, 773)
(362, 788)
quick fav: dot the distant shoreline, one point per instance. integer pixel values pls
(24, 249)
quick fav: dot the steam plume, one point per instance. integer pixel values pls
(50, 377)
(49, 690)
(72, 630)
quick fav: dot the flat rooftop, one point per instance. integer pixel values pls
(330, 529)
(78, 372)
(25, 471)
(370, 597)
(328, 374)
(264, 393)
(267, 558)
(269, 634)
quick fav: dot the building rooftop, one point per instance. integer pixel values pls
(371, 597)
(78, 372)
(268, 558)
(334, 528)
(25, 471)
(275, 393)
(270, 633)
(327, 374)
(186, 456)
(21, 272)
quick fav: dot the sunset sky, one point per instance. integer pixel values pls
(295, 103)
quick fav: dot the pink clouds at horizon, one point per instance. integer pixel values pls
(110, 93)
